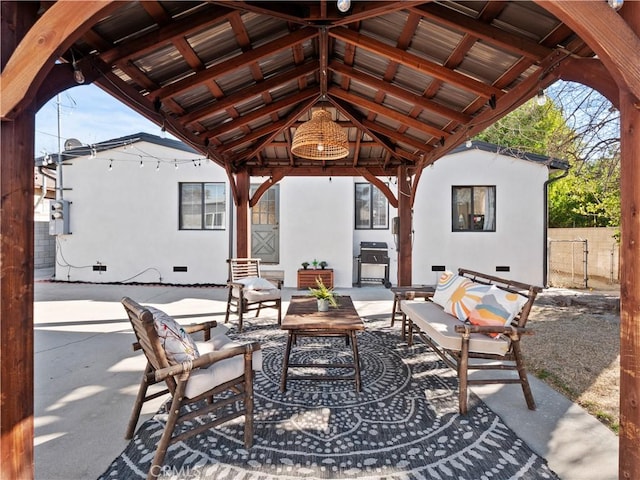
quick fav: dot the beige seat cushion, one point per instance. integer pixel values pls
(204, 379)
(440, 327)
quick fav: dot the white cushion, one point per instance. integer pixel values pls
(177, 343)
(440, 327)
(204, 379)
(257, 289)
(256, 283)
(253, 296)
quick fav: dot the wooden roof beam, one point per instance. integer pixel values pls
(400, 138)
(416, 62)
(164, 36)
(271, 131)
(509, 102)
(350, 113)
(254, 90)
(387, 112)
(497, 37)
(262, 112)
(399, 92)
(364, 10)
(289, 120)
(235, 63)
(383, 187)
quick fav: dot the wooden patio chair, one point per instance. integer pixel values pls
(227, 367)
(249, 291)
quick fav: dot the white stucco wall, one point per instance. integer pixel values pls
(518, 239)
(316, 221)
(127, 219)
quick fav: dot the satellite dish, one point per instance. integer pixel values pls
(72, 143)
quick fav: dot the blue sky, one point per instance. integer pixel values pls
(90, 115)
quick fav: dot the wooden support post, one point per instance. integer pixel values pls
(243, 241)
(629, 456)
(16, 290)
(16, 265)
(406, 225)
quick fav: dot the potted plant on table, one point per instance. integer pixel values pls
(323, 264)
(325, 296)
(305, 265)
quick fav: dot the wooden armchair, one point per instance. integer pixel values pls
(249, 291)
(229, 368)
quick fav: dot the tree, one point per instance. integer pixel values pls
(580, 126)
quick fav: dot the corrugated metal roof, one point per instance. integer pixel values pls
(248, 52)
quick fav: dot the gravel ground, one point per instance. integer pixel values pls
(576, 349)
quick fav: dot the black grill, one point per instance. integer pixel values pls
(374, 253)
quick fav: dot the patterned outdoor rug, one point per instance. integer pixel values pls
(403, 425)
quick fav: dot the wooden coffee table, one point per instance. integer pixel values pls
(304, 320)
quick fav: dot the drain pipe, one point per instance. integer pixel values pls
(545, 246)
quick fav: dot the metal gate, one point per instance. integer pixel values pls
(568, 263)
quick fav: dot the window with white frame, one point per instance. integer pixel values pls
(473, 208)
(371, 208)
(202, 206)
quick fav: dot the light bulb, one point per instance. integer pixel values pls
(110, 165)
(158, 166)
(345, 5)
(77, 74)
(615, 4)
(141, 164)
(541, 98)
(320, 147)
(469, 143)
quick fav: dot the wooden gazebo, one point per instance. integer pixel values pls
(408, 81)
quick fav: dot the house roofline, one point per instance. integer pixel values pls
(551, 162)
(86, 150)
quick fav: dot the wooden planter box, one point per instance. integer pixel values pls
(307, 278)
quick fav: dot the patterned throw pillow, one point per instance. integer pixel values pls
(465, 298)
(497, 307)
(489, 315)
(178, 345)
(447, 284)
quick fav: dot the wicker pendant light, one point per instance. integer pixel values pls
(320, 138)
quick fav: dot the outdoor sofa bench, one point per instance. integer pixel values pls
(473, 322)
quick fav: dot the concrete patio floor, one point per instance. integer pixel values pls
(87, 376)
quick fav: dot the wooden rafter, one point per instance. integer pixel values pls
(420, 64)
(164, 36)
(386, 112)
(236, 63)
(399, 92)
(262, 112)
(497, 37)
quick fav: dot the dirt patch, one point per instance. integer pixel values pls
(576, 349)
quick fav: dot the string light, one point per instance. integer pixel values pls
(541, 98)
(158, 166)
(141, 163)
(344, 5)
(110, 165)
(616, 4)
(469, 143)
